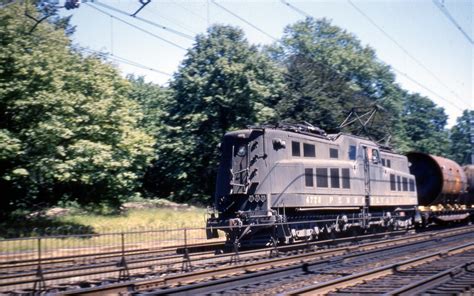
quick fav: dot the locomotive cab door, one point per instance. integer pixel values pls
(366, 156)
(373, 173)
(240, 167)
(246, 153)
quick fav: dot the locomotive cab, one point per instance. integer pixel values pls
(240, 176)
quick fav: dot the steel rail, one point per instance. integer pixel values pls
(432, 281)
(195, 257)
(50, 263)
(251, 275)
(354, 279)
(301, 260)
(46, 260)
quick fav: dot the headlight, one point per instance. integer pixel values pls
(242, 151)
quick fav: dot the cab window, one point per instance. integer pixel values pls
(322, 177)
(375, 156)
(334, 177)
(346, 178)
(352, 152)
(308, 176)
(333, 153)
(309, 150)
(295, 148)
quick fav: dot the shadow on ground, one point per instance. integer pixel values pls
(21, 226)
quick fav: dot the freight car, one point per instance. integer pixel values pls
(442, 188)
(293, 181)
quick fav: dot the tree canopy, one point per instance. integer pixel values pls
(224, 83)
(329, 72)
(423, 124)
(73, 129)
(460, 135)
(68, 129)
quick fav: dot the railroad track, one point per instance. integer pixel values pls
(9, 267)
(144, 264)
(449, 271)
(24, 273)
(256, 277)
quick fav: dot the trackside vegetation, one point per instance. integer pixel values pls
(74, 130)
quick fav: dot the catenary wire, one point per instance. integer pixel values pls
(176, 32)
(244, 20)
(102, 54)
(337, 72)
(109, 56)
(396, 70)
(127, 61)
(189, 10)
(137, 27)
(295, 8)
(445, 11)
(426, 88)
(173, 21)
(360, 11)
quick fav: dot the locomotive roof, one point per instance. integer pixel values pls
(310, 130)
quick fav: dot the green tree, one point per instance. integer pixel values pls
(423, 125)
(223, 84)
(329, 72)
(155, 102)
(67, 128)
(461, 147)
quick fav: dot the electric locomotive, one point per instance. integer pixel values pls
(295, 182)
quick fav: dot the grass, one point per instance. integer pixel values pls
(143, 224)
(143, 219)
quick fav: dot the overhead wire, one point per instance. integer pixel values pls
(105, 55)
(176, 32)
(137, 27)
(425, 88)
(296, 9)
(175, 22)
(110, 56)
(277, 40)
(445, 11)
(189, 10)
(396, 70)
(244, 20)
(360, 11)
(334, 72)
(119, 59)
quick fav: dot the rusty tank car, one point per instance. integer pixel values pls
(442, 187)
(438, 180)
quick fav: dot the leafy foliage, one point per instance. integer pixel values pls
(223, 84)
(461, 147)
(329, 73)
(155, 102)
(73, 130)
(423, 125)
(68, 129)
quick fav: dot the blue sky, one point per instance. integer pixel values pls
(433, 51)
